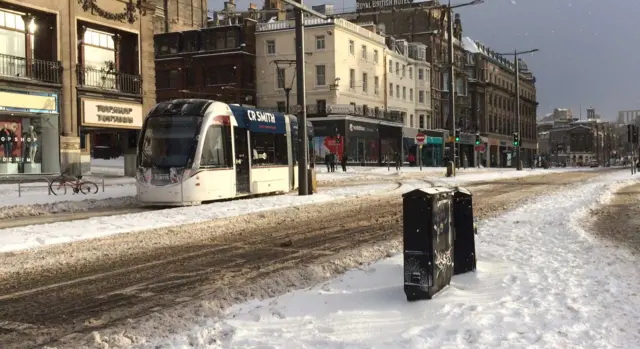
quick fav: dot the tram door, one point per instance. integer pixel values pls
(242, 160)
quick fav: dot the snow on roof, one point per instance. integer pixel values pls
(469, 45)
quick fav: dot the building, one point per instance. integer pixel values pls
(427, 23)
(492, 86)
(216, 62)
(345, 74)
(68, 70)
(400, 82)
(629, 117)
(182, 15)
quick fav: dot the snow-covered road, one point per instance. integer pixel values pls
(541, 283)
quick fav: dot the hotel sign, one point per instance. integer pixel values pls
(367, 5)
(102, 113)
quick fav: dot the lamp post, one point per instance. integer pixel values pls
(517, 77)
(451, 58)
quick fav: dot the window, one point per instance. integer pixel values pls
(352, 78)
(410, 73)
(398, 91)
(376, 85)
(12, 42)
(420, 96)
(320, 43)
(390, 66)
(375, 56)
(365, 77)
(391, 90)
(282, 107)
(167, 79)
(445, 82)
(421, 121)
(271, 47)
(352, 47)
(321, 75)
(364, 52)
(411, 94)
(216, 149)
(404, 93)
(281, 77)
(268, 149)
(420, 74)
(231, 39)
(411, 120)
(404, 71)
(397, 68)
(191, 76)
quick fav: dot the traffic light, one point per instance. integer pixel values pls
(516, 139)
(478, 140)
(338, 140)
(457, 139)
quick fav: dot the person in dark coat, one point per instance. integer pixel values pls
(343, 162)
(397, 160)
(333, 162)
(327, 161)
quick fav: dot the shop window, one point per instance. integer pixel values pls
(268, 149)
(216, 149)
(29, 144)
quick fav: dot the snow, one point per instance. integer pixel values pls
(540, 283)
(39, 235)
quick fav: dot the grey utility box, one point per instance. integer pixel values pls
(428, 242)
(464, 245)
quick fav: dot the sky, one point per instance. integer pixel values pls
(589, 49)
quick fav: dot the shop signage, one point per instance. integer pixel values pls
(259, 120)
(347, 109)
(353, 128)
(29, 102)
(101, 113)
(363, 5)
(467, 138)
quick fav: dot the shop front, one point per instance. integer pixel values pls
(493, 152)
(29, 135)
(432, 151)
(328, 136)
(109, 128)
(467, 149)
(391, 140)
(362, 143)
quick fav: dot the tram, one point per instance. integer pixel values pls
(195, 150)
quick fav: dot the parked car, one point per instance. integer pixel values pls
(594, 164)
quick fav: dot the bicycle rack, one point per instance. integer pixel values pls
(31, 180)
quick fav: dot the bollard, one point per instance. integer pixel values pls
(464, 245)
(427, 242)
(451, 169)
(312, 186)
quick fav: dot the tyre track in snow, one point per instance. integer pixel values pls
(72, 290)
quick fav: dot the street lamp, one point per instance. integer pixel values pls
(515, 55)
(452, 103)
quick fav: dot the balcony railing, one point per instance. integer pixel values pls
(109, 80)
(33, 69)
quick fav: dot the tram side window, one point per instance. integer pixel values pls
(216, 150)
(268, 149)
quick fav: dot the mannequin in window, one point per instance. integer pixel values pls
(30, 139)
(6, 140)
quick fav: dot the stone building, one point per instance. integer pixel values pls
(494, 116)
(179, 15)
(69, 70)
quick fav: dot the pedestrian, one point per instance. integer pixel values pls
(327, 161)
(397, 160)
(333, 162)
(343, 162)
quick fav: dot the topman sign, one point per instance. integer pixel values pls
(364, 5)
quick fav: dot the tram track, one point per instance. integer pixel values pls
(103, 285)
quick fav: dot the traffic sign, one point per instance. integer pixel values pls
(420, 138)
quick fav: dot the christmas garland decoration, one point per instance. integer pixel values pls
(128, 15)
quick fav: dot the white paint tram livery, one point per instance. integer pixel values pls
(194, 150)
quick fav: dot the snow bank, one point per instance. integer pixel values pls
(539, 284)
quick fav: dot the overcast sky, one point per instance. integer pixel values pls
(589, 49)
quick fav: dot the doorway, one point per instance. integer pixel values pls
(242, 160)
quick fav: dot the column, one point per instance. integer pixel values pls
(28, 64)
(116, 61)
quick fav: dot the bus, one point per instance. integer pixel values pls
(192, 151)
